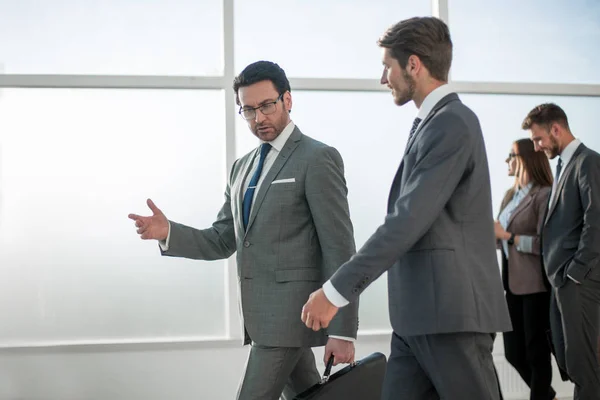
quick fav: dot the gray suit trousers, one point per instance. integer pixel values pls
(274, 372)
(575, 324)
(448, 366)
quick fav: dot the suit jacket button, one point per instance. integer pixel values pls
(246, 244)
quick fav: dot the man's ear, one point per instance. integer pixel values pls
(287, 101)
(555, 129)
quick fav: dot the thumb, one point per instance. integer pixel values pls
(155, 210)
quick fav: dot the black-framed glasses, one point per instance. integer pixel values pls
(512, 155)
(267, 108)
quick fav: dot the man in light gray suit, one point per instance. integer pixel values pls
(571, 247)
(286, 215)
(437, 242)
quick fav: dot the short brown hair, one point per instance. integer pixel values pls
(426, 37)
(545, 115)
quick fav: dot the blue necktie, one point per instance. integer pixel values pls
(249, 195)
(558, 169)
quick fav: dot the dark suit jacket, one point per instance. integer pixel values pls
(523, 273)
(437, 240)
(571, 233)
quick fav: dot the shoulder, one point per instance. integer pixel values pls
(543, 191)
(316, 151)
(541, 194)
(588, 158)
(458, 120)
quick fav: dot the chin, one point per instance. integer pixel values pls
(400, 101)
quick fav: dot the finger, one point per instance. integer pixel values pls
(139, 223)
(324, 324)
(303, 315)
(308, 322)
(142, 230)
(134, 217)
(316, 326)
(155, 210)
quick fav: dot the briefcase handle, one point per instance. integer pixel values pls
(328, 369)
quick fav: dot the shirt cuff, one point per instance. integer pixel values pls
(348, 339)
(525, 244)
(333, 295)
(164, 244)
(573, 279)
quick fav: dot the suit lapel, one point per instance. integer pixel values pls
(245, 169)
(280, 161)
(396, 182)
(561, 182)
(523, 204)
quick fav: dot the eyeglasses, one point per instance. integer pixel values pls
(512, 155)
(267, 108)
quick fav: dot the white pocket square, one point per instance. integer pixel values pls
(288, 180)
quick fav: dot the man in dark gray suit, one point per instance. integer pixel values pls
(437, 242)
(571, 247)
(286, 215)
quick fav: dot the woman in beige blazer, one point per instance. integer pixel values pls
(518, 233)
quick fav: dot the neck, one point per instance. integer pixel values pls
(422, 91)
(567, 141)
(522, 182)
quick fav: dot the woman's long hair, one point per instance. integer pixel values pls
(534, 163)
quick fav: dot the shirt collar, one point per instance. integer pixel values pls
(568, 151)
(525, 189)
(432, 99)
(285, 134)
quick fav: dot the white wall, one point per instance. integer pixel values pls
(176, 371)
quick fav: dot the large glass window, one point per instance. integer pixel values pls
(123, 37)
(312, 38)
(548, 41)
(73, 165)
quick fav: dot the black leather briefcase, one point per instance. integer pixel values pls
(361, 380)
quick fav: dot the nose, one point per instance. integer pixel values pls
(536, 147)
(383, 79)
(259, 117)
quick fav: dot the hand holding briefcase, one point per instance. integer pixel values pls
(362, 380)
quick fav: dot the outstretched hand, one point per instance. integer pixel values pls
(153, 227)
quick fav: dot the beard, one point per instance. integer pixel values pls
(269, 130)
(401, 97)
(553, 150)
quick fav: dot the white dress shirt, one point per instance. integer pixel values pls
(426, 107)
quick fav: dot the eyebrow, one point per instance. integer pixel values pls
(262, 103)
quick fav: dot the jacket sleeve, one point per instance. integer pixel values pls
(326, 193)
